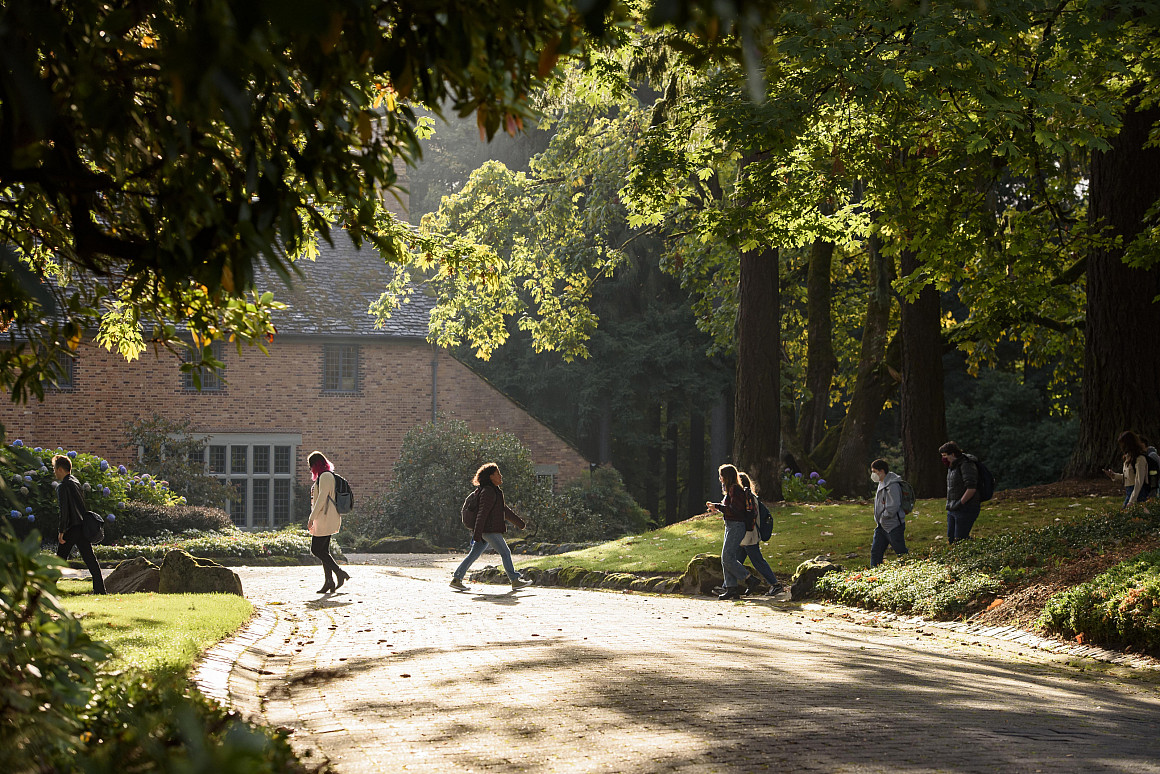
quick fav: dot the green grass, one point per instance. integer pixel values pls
(805, 530)
(155, 632)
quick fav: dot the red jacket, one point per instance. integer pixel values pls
(736, 507)
(492, 513)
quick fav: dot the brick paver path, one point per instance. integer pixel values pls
(400, 673)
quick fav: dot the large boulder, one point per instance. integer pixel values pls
(702, 574)
(807, 574)
(133, 575)
(185, 574)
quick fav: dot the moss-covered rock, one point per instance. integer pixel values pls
(132, 576)
(805, 577)
(182, 573)
(702, 574)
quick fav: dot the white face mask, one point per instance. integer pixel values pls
(876, 477)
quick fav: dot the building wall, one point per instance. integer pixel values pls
(282, 393)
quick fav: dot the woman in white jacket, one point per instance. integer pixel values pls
(324, 520)
(889, 518)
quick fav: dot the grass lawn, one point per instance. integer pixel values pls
(804, 530)
(155, 632)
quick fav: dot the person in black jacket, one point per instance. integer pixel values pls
(71, 531)
(491, 516)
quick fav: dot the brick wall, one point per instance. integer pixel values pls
(282, 394)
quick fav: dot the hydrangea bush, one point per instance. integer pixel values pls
(799, 488)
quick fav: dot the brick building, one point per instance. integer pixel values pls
(332, 381)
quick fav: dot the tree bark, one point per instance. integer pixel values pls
(923, 409)
(757, 409)
(848, 473)
(820, 360)
(1121, 360)
(652, 500)
(672, 484)
(696, 475)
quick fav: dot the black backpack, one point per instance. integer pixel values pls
(470, 509)
(94, 526)
(985, 489)
(343, 497)
(764, 517)
(1153, 468)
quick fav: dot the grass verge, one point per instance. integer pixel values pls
(154, 632)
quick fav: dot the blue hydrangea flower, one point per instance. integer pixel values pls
(110, 517)
(72, 455)
(28, 479)
(14, 514)
(821, 482)
(145, 476)
(121, 505)
(797, 475)
(121, 469)
(18, 443)
(32, 517)
(38, 449)
(28, 509)
(104, 465)
(814, 474)
(106, 491)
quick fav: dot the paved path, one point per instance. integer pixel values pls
(400, 673)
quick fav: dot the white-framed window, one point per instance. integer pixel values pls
(260, 467)
(211, 378)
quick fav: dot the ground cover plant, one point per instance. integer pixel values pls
(805, 530)
(1119, 607)
(230, 544)
(154, 632)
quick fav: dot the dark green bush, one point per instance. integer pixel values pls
(146, 520)
(603, 493)
(1118, 607)
(168, 450)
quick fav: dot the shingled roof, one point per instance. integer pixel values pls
(335, 292)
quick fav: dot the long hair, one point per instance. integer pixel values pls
(1131, 445)
(483, 475)
(729, 475)
(747, 482)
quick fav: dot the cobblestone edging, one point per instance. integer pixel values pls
(224, 673)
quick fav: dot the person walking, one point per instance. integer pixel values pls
(962, 486)
(889, 518)
(1135, 476)
(751, 546)
(324, 520)
(739, 519)
(491, 517)
(71, 530)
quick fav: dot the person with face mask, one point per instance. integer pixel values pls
(889, 518)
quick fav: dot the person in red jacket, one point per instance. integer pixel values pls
(491, 516)
(739, 518)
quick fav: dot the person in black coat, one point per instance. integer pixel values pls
(71, 531)
(491, 516)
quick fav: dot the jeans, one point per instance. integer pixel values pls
(960, 521)
(1145, 492)
(320, 547)
(732, 568)
(499, 545)
(895, 538)
(759, 564)
(75, 537)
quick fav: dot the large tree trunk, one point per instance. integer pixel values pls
(924, 418)
(820, 360)
(757, 409)
(652, 500)
(848, 473)
(1121, 359)
(672, 484)
(696, 476)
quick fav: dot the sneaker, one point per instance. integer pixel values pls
(732, 592)
(520, 583)
(458, 584)
(781, 595)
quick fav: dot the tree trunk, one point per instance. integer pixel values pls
(924, 418)
(757, 409)
(652, 500)
(696, 476)
(848, 473)
(718, 443)
(820, 360)
(672, 485)
(1121, 359)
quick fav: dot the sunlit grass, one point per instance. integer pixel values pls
(805, 530)
(155, 632)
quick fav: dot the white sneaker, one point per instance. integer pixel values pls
(781, 596)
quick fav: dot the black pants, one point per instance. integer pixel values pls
(76, 537)
(320, 547)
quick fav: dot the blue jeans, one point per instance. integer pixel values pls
(759, 564)
(895, 538)
(1145, 491)
(498, 544)
(731, 567)
(960, 521)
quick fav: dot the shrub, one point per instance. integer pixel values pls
(146, 520)
(800, 488)
(230, 544)
(1118, 607)
(47, 662)
(108, 487)
(169, 451)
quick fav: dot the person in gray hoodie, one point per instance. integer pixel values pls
(889, 518)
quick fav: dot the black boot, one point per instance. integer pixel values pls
(343, 577)
(328, 587)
